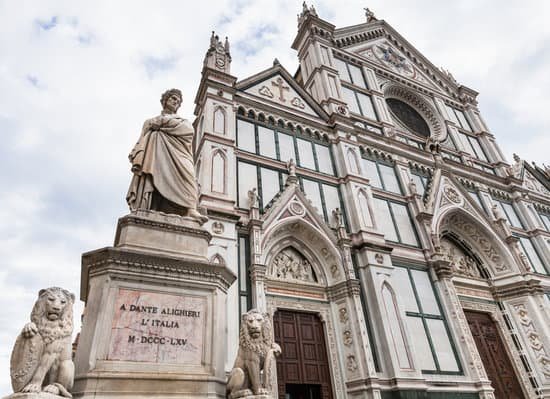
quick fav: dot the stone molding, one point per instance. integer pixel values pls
(115, 260)
(161, 221)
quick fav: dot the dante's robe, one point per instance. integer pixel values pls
(162, 161)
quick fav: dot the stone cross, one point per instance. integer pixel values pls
(280, 85)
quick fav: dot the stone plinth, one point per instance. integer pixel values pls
(155, 314)
(38, 395)
(156, 232)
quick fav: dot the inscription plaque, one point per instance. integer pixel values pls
(158, 327)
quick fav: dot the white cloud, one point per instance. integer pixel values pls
(77, 80)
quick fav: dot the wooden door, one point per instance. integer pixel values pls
(303, 362)
(494, 356)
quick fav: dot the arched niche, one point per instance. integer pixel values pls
(313, 244)
(464, 260)
(482, 240)
(291, 266)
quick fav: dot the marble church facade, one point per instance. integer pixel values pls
(365, 205)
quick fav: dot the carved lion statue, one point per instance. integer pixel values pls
(254, 371)
(41, 358)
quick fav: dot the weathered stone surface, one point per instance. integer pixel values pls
(39, 395)
(157, 327)
(254, 373)
(160, 233)
(41, 357)
(163, 165)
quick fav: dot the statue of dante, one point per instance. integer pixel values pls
(163, 165)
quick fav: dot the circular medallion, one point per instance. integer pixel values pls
(452, 195)
(296, 209)
(220, 62)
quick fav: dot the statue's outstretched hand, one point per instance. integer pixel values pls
(30, 330)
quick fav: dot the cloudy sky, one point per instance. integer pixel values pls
(77, 79)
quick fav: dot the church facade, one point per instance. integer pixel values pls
(364, 204)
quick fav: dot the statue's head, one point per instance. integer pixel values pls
(171, 100)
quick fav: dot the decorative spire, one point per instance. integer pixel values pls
(276, 62)
(305, 13)
(218, 55)
(226, 45)
(370, 15)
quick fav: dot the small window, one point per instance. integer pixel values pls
(245, 136)
(286, 147)
(247, 177)
(305, 151)
(323, 159)
(245, 285)
(533, 256)
(266, 141)
(357, 76)
(394, 220)
(421, 182)
(458, 117)
(545, 220)
(509, 212)
(381, 176)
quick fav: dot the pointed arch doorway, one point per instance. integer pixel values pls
(302, 369)
(467, 264)
(494, 355)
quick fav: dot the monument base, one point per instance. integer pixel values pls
(160, 233)
(37, 395)
(155, 313)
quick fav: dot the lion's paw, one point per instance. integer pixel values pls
(30, 330)
(32, 388)
(53, 389)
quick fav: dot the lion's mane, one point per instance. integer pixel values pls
(258, 345)
(57, 329)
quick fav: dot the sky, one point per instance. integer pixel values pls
(77, 80)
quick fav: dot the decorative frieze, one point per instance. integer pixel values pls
(542, 354)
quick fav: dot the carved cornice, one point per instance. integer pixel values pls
(343, 289)
(149, 221)
(138, 266)
(517, 289)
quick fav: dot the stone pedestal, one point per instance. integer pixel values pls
(38, 395)
(155, 313)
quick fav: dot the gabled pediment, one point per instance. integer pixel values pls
(388, 56)
(292, 203)
(276, 87)
(446, 192)
(532, 182)
(382, 45)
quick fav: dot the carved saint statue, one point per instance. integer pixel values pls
(254, 372)
(253, 198)
(41, 358)
(163, 165)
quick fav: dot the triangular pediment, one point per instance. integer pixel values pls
(532, 183)
(388, 56)
(292, 203)
(382, 45)
(276, 87)
(446, 192)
